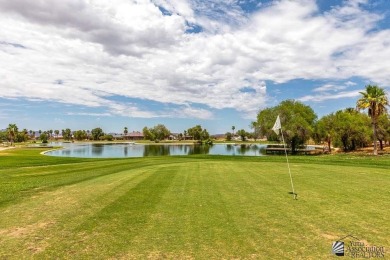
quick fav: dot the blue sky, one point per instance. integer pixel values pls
(83, 64)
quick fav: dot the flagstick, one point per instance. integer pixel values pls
(288, 165)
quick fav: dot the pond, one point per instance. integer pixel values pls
(89, 150)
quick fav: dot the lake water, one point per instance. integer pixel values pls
(142, 150)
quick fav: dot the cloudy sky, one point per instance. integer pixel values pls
(96, 63)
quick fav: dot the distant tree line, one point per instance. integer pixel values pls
(13, 135)
(347, 129)
(161, 132)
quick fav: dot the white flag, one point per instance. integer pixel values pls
(277, 125)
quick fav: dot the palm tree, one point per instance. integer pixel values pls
(125, 131)
(375, 100)
(12, 131)
(233, 127)
(56, 132)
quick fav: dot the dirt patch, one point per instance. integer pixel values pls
(17, 232)
(168, 255)
(6, 147)
(3, 150)
(330, 236)
(35, 248)
(156, 255)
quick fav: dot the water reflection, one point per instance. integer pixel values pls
(199, 149)
(156, 150)
(229, 147)
(135, 150)
(98, 149)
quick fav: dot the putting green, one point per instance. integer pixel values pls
(189, 207)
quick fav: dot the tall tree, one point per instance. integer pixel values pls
(233, 128)
(22, 136)
(375, 100)
(228, 136)
(157, 133)
(265, 120)
(32, 134)
(67, 134)
(383, 130)
(324, 130)
(147, 134)
(198, 133)
(43, 137)
(160, 132)
(80, 135)
(351, 128)
(12, 130)
(256, 130)
(195, 132)
(205, 135)
(297, 122)
(243, 134)
(97, 133)
(56, 132)
(125, 131)
(180, 136)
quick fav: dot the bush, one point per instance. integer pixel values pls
(44, 138)
(209, 142)
(108, 137)
(229, 136)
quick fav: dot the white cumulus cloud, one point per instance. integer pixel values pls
(86, 52)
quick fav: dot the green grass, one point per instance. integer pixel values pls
(198, 207)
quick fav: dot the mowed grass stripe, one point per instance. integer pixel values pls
(112, 229)
(21, 182)
(58, 216)
(205, 214)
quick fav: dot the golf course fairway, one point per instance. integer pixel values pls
(189, 207)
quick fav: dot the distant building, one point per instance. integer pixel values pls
(116, 136)
(134, 136)
(173, 136)
(219, 136)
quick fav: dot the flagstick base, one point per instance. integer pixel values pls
(295, 195)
